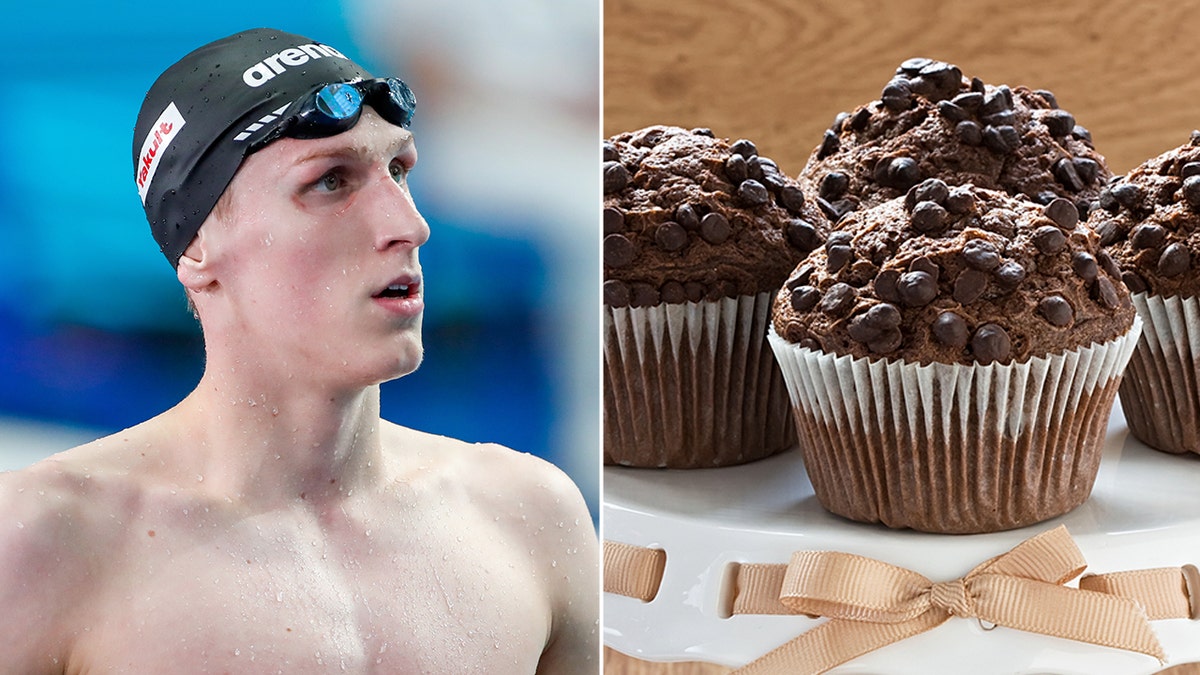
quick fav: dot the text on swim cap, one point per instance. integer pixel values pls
(275, 64)
(165, 129)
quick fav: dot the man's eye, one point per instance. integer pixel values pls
(330, 181)
(397, 171)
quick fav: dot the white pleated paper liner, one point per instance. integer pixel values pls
(950, 448)
(1160, 393)
(691, 385)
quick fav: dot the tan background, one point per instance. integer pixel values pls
(778, 71)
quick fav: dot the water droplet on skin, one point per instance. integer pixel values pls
(199, 478)
(20, 525)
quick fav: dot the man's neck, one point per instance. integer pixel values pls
(273, 442)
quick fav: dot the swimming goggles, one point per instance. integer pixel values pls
(333, 108)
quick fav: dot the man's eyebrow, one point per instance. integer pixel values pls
(355, 152)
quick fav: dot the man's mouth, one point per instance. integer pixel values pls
(397, 291)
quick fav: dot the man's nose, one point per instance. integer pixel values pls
(397, 220)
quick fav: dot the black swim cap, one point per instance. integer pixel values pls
(201, 116)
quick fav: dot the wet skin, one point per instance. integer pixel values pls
(271, 522)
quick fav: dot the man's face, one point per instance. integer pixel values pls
(316, 258)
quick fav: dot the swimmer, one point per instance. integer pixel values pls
(271, 522)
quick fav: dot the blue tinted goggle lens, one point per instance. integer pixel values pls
(334, 108)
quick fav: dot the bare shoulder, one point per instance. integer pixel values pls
(46, 534)
(501, 476)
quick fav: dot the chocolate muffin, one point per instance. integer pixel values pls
(1149, 220)
(698, 235)
(931, 122)
(952, 357)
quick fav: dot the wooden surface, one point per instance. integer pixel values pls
(778, 71)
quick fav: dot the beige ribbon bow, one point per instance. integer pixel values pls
(872, 604)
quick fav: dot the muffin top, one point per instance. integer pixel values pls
(955, 275)
(931, 122)
(1149, 221)
(690, 217)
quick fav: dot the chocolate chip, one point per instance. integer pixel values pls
(715, 228)
(671, 236)
(1082, 134)
(802, 235)
(618, 251)
(614, 220)
(1066, 175)
(1105, 293)
(686, 216)
(885, 285)
(643, 295)
(694, 290)
(1063, 213)
(929, 190)
(916, 289)
(952, 113)
(744, 148)
(861, 119)
(960, 200)
(834, 185)
(1048, 97)
(924, 264)
(837, 257)
(754, 169)
(1002, 139)
(1058, 122)
(897, 95)
(829, 145)
(938, 80)
(1148, 235)
(883, 316)
(703, 131)
(887, 342)
(1004, 118)
(1133, 282)
(752, 193)
(1107, 201)
(969, 101)
(1049, 239)
(1127, 195)
(993, 102)
(969, 133)
(900, 173)
(913, 65)
(1056, 310)
(978, 86)
(800, 276)
(1108, 264)
(616, 177)
(1109, 231)
(1010, 274)
(791, 197)
(839, 300)
(1191, 192)
(1088, 169)
(1175, 260)
(1085, 266)
(951, 330)
(736, 169)
(1190, 169)
(835, 210)
(610, 152)
(929, 217)
(616, 293)
(969, 286)
(804, 298)
(672, 292)
(981, 254)
(840, 238)
(991, 343)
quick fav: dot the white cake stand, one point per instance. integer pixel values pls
(1144, 512)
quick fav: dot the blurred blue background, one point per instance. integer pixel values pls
(94, 331)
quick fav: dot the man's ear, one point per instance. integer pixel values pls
(195, 265)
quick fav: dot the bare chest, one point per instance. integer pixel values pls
(447, 596)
